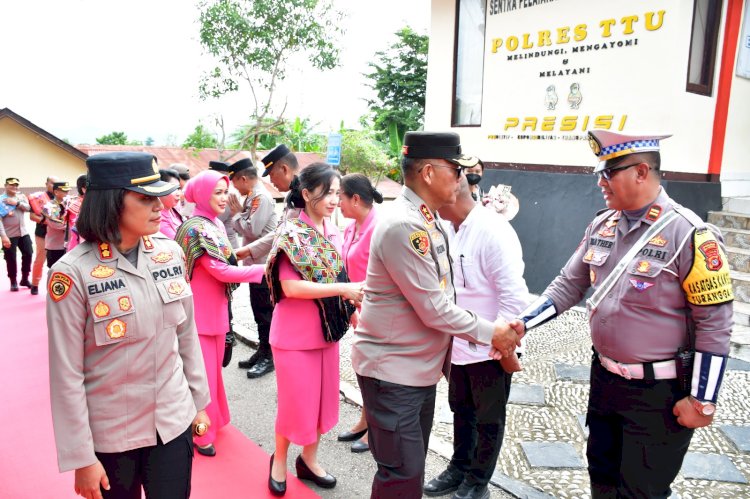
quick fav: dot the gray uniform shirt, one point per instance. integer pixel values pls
(226, 219)
(12, 224)
(257, 219)
(124, 357)
(643, 318)
(408, 315)
(56, 226)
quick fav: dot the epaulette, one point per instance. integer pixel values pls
(688, 215)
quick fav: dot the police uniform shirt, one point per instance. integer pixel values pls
(55, 237)
(258, 217)
(408, 315)
(12, 224)
(643, 318)
(125, 359)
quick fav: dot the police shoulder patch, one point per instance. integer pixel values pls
(708, 282)
(420, 242)
(59, 286)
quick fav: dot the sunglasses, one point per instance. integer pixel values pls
(610, 172)
(457, 169)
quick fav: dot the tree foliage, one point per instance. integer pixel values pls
(399, 78)
(251, 41)
(362, 152)
(201, 138)
(113, 139)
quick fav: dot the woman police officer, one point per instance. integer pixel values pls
(127, 380)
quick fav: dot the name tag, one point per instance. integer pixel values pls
(98, 288)
(166, 273)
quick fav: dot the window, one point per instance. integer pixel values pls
(468, 63)
(706, 20)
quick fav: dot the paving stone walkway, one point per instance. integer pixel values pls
(543, 452)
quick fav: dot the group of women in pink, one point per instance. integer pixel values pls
(316, 278)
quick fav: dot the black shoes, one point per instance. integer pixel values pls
(13, 286)
(360, 446)
(349, 436)
(24, 282)
(277, 488)
(445, 482)
(209, 451)
(261, 368)
(304, 473)
(247, 364)
(466, 491)
(34, 290)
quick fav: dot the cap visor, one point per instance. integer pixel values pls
(267, 171)
(156, 189)
(464, 161)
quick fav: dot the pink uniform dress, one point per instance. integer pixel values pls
(307, 367)
(208, 283)
(356, 250)
(170, 222)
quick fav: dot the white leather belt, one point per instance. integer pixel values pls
(665, 369)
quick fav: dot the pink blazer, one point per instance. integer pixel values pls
(356, 250)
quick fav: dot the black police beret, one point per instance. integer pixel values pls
(134, 171)
(238, 166)
(436, 145)
(219, 166)
(276, 154)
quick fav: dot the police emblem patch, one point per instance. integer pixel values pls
(175, 288)
(710, 251)
(420, 242)
(105, 252)
(589, 256)
(162, 257)
(59, 286)
(124, 303)
(657, 240)
(643, 266)
(426, 213)
(641, 286)
(654, 212)
(102, 272)
(101, 309)
(116, 329)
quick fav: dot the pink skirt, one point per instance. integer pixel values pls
(307, 383)
(218, 409)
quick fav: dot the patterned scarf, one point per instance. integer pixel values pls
(199, 235)
(316, 259)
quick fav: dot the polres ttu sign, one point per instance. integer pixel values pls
(556, 69)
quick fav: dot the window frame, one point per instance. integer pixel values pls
(710, 49)
(456, 23)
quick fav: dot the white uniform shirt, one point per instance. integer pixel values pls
(488, 268)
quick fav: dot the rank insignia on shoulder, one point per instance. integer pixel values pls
(654, 213)
(420, 242)
(105, 251)
(427, 214)
(643, 266)
(657, 240)
(162, 257)
(148, 244)
(59, 286)
(102, 272)
(175, 288)
(116, 329)
(640, 286)
(708, 282)
(124, 303)
(101, 309)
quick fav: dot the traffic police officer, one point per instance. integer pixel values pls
(662, 294)
(127, 379)
(409, 316)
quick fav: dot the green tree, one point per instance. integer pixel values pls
(399, 78)
(113, 139)
(362, 152)
(201, 138)
(251, 41)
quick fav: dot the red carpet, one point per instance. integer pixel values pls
(28, 463)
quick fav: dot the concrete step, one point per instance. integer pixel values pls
(739, 347)
(729, 219)
(741, 313)
(741, 285)
(736, 238)
(739, 259)
(739, 204)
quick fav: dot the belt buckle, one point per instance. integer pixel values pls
(624, 371)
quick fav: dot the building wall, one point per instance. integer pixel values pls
(32, 158)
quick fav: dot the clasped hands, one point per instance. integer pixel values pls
(506, 338)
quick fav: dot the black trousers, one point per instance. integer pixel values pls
(23, 243)
(164, 470)
(260, 302)
(53, 256)
(478, 395)
(399, 421)
(636, 446)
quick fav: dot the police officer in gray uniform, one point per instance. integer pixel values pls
(409, 316)
(662, 296)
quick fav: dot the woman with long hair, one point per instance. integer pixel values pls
(357, 198)
(313, 309)
(171, 219)
(212, 268)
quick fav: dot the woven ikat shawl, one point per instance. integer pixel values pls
(198, 236)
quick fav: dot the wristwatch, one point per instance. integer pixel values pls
(703, 408)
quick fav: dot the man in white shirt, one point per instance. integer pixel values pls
(489, 266)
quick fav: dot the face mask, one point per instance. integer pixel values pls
(473, 178)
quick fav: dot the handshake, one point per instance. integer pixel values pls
(506, 338)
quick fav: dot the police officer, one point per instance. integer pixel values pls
(13, 233)
(409, 316)
(127, 379)
(54, 215)
(253, 219)
(662, 294)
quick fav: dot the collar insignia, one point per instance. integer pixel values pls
(147, 243)
(105, 251)
(654, 213)
(427, 214)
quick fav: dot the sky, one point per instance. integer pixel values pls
(80, 69)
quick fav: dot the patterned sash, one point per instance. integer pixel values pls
(199, 235)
